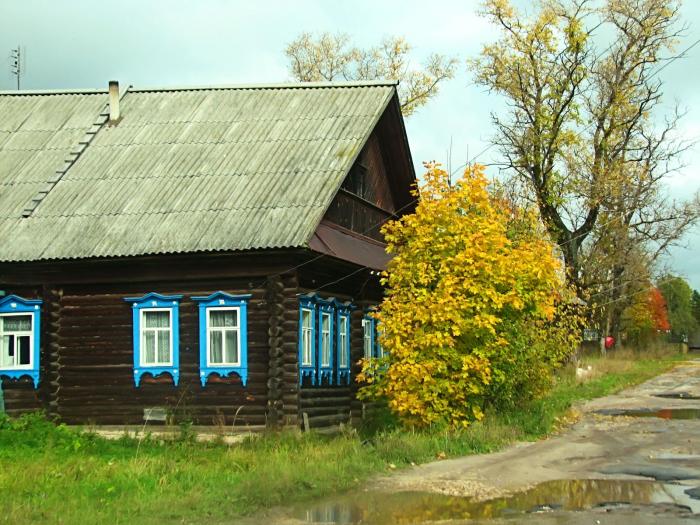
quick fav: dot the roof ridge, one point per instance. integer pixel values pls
(209, 87)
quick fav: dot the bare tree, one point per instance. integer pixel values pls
(329, 57)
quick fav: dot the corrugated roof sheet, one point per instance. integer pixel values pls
(183, 171)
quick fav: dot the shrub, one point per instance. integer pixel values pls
(470, 306)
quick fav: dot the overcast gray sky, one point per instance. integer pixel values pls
(84, 43)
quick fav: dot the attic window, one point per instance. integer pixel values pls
(356, 181)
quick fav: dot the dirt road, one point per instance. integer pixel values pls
(608, 468)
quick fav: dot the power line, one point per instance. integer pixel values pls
(627, 296)
(674, 58)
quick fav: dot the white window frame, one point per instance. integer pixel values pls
(142, 338)
(307, 350)
(223, 330)
(343, 328)
(365, 324)
(30, 333)
(322, 353)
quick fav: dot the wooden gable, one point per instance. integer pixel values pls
(376, 189)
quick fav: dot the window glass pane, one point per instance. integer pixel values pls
(163, 346)
(326, 349)
(149, 347)
(7, 344)
(223, 318)
(325, 339)
(24, 357)
(156, 319)
(367, 327)
(306, 346)
(306, 318)
(231, 346)
(17, 323)
(216, 351)
(343, 342)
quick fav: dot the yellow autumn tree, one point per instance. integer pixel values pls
(471, 297)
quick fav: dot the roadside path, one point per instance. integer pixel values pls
(592, 449)
(607, 469)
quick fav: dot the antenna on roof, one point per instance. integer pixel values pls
(17, 63)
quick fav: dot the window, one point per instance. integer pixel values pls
(378, 332)
(324, 341)
(343, 340)
(307, 340)
(326, 312)
(223, 336)
(19, 338)
(15, 341)
(307, 336)
(343, 374)
(156, 335)
(368, 337)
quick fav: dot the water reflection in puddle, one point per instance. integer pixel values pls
(373, 508)
(664, 413)
(677, 395)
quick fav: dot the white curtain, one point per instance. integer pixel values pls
(17, 323)
(223, 336)
(7, 343)
(216, 351)
(325, 339)
(306, 331)
(156, 337)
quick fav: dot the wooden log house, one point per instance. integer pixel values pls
(208, 253)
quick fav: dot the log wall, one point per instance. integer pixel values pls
(87, 348)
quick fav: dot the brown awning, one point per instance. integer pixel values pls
(342, 243)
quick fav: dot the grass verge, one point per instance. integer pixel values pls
(53, 474)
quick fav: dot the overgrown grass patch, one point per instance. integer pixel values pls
(54, 474)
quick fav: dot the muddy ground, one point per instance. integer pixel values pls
(607, 468)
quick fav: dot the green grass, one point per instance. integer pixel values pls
(54, 474)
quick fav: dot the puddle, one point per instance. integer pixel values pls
(375, 508)
(664, 413)
(677, 395)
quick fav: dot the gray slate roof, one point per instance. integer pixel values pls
(185, 170)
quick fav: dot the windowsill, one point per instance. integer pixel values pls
(18, 373)
(222, 372)
(156, 371)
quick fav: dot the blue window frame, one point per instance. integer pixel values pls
(326, 343)
(223, 336)
(343, 344)
(378, 348)
(324, 340)
(156, 335)
(307, 339)
(20, 338)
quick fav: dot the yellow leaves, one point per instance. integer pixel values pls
(467, 267)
